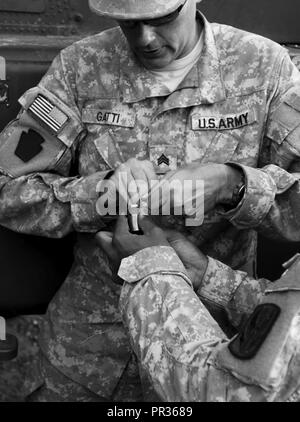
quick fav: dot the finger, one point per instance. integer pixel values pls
(126, 185)
(120, 180)
(132, 189)
(103, 237)
(151, 176)
(146, 224)
(161, 197)
(173, 235)
(104, 240)
(155, 197)
(140, 177)
(122, 225)
(145, 172)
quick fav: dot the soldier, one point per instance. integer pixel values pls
(180, 346)
(165, 94)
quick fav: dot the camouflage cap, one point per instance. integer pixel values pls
(134, 9)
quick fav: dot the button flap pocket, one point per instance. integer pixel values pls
(109, 150)
(215, 137)
(285, 118)
(221, 148)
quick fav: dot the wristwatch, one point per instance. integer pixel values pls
(237, 195)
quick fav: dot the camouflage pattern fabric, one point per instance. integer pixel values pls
(240, 104)
(21, 375)
(131, 9)
(183, 349)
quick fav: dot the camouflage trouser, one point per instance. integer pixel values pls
(57, 387)
(21, 375)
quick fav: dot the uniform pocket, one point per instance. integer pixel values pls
(109, 149)
(215, 137)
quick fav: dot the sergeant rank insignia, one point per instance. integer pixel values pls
(163, 157)
(163, 160)
(50, 115)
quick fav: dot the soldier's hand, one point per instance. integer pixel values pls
(193, 259)
(122, 243)
(133, 180)
(196, 187)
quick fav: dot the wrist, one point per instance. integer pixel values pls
(234, 186)
(197, 272)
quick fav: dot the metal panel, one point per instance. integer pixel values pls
(50, 17)
(275, 19)
(33, 6)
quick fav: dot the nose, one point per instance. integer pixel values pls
(145, 36)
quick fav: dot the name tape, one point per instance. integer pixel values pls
(228, 122)
(109, 117)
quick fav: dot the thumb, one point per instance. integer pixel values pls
(146, 223)
(104, 239)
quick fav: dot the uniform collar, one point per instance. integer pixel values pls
(137, 84)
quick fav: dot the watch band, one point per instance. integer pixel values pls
(238, 193)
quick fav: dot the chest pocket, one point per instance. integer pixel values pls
(216, 136)
(114, 131)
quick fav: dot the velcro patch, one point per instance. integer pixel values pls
(43, 110)
(228, 122)
(254, 331)
(25, 149)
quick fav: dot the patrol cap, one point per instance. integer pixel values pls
(134, 9)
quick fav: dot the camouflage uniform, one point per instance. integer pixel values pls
(184, 351)
(97, 107)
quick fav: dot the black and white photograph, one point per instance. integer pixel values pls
(149, 199)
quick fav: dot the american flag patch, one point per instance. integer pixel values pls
(48, 113)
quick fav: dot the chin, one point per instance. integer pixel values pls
(156, 64)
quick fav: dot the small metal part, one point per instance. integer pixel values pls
(4, 99)
(4, 93)
(291, 261)
(133, 219)
(8, 343)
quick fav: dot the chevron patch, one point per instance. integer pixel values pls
(163, 160)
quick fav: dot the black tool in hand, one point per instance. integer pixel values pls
(8, 343)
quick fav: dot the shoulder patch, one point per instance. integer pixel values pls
(49, 114)
(247, 343)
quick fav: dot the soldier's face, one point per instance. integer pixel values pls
(158, 42)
